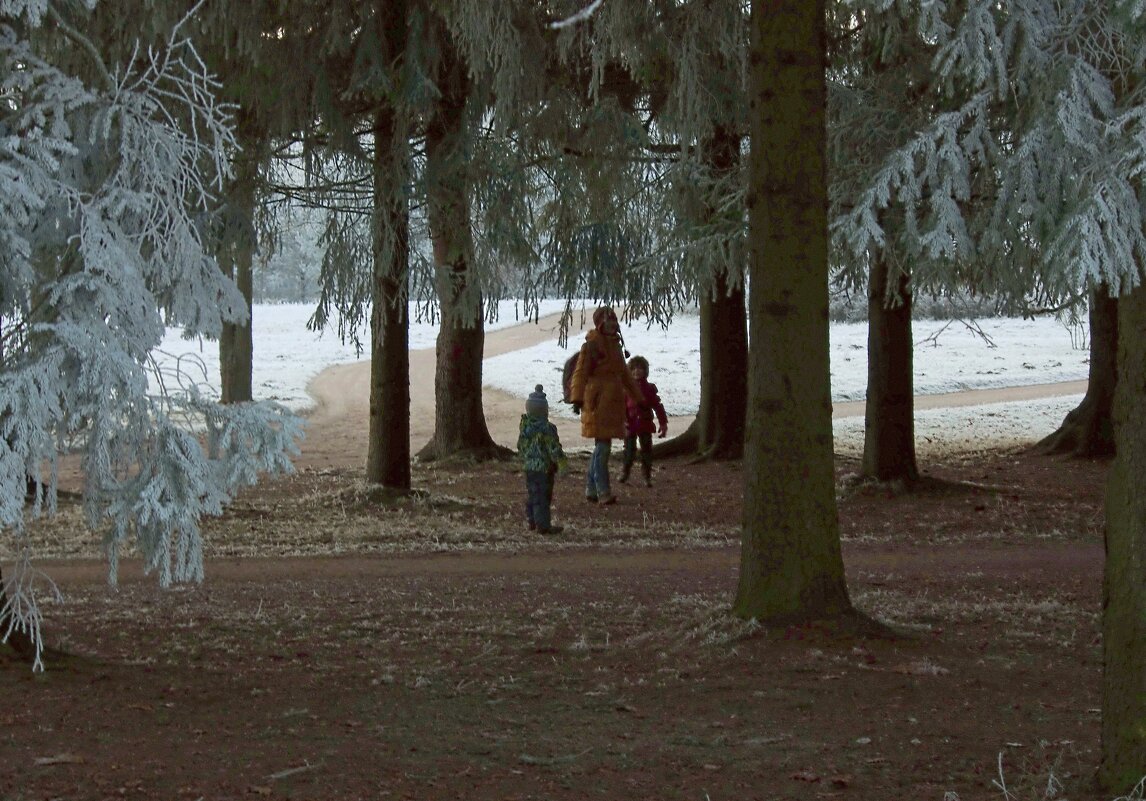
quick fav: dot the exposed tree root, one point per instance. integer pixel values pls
(684, 444)
(688, 444)
(492, 452)
(1086, 432)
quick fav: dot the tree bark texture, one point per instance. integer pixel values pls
(724, 369)
(723, 334)
(459, 419)
(1088, 429)
(718, 430)
(236, 344)
(889, 417)
(791, 567)
(388, 449)
(1124, 580)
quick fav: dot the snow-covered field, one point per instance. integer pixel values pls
(949, 356)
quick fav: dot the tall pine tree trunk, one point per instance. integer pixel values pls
(1124, 581)
(236, 344)
(722, 428)
(722, 425)
(1088, 429)
(459, 419)
(791, 567)
(388, 449)
(718, 430)
(889, 421)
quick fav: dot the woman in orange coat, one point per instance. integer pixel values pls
(598, 392)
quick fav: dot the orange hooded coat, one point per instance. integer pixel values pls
(599, 384)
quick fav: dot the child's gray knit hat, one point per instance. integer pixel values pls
(536, 405)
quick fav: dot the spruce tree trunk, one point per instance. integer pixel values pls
(889, 422)
(459, 419)
(388, 449)
(724, 334)
(718, 430)
(236, 344)
(724, 431)
(1124, 580)
(1088, 429)
(791, 567)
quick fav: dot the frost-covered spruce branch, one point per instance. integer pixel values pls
(20, 611)
(580, 16)
(1018, 170)
(932, 170)
(105, 192)
(1066, 124)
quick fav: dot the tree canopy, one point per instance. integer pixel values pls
(1010, 148)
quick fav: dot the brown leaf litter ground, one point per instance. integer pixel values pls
(344, 647)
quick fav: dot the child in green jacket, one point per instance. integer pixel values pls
(539, 447)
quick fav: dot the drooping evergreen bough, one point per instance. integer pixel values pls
(107, 176)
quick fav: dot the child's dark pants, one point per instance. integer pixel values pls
(539, 497)
(646, 442)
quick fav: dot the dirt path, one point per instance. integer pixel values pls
(975, 397)
(906, 561)
(338, 426)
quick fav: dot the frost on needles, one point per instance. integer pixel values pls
(108, 178)
(1019, 163)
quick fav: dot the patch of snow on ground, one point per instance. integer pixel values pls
(950, 356)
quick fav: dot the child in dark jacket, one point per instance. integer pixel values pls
(639, 424)
(539, 447)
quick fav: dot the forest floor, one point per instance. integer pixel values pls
(349, 646)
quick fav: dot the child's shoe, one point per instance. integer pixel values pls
(552, 530)
(607, 500)
(591, 498)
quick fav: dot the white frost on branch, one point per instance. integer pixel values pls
(1023, 158)
(579, 17)
(106, 197)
